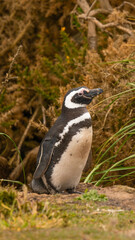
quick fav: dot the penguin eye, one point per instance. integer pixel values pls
(80, 94)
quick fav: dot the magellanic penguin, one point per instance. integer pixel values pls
(65, 149)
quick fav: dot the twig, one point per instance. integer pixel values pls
(84, 5)
(74, 9)
(17, 40)
(7, 78)
(98, 23)
(124, 3)
(93, 13)
(107, 115)
(103, 26)
(130, 23)
(105, 4)
(97, 11)
(92, 37)
(23, 137)
(90, 14)
(92, 5)
(40, 127)
(13, 62)
(125, 30)
(71, 17)
(43, 112)
(12, 78)
(28, 159)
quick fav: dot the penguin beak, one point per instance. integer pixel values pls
(93, 93)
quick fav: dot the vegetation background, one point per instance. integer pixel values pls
(48, 47)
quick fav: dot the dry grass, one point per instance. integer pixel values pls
(41, 81)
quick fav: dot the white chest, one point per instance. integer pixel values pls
(67, 173)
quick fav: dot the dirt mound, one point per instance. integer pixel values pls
(119, 196)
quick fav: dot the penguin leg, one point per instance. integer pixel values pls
(38, 186)
(72, 191)
(48, 187)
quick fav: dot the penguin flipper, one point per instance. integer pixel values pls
(44, 157)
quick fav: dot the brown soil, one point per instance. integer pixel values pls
(122, 197)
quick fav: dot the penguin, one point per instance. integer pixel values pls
(64, 151)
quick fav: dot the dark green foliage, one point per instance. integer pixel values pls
(4, 105)
(67, 66)
(7, 197)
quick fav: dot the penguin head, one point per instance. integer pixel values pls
(80, 97)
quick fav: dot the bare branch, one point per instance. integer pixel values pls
(92, 37)
(130, 23)
(12, 78)
(92, 5)
(23, 137)
(105, 5)
(40, 127)
(89, 15)
(16, 41)
(43, 112)
(125, 30)
(97, 11)
(126, 3)
(74, 9)
(27, 129)
(84, 5)
(13, 62)
(7, 78)
(103, 26)
(98, 23)
(30, 158)
(71, 16)
(93, 13)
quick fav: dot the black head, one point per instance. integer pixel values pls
(80, 97)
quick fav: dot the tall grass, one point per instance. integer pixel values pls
(109, 153)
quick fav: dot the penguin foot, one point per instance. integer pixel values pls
(72, 191)
(38, 187)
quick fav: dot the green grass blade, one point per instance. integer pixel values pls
(116, 169)
(88, 178)
(123, 132)
(114, 165)
(11, 181)
(116, 95)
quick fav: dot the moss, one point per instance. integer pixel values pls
(8, 124)
(7, 197)
(7, 201)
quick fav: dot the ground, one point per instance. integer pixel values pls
(111, 215)
(118, 196)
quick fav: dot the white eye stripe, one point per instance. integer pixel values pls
(82, 90)
(68, 101)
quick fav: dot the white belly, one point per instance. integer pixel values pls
(67, 173)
